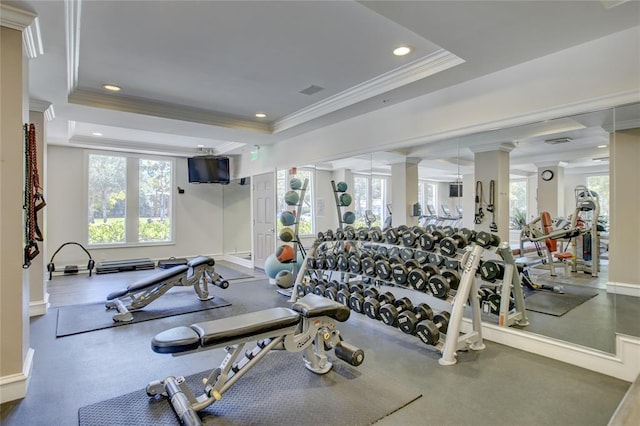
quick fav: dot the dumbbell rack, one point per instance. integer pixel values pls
(466, 287)
(338, 203)
(511, 282)
(296, 241)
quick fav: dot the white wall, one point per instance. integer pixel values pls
(236, 217)
(198, 214)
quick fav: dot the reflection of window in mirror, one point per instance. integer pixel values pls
(369, 193)
(306, 215)
(518, 194)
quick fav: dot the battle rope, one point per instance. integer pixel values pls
(33, 198)
(479, 214)
(492, 206)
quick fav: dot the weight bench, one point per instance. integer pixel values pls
(308, 327)
(198, 273)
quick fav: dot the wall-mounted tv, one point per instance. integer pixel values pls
(455, 189)
(208, 169)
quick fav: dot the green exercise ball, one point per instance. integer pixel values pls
(287, 235)
(287, 218)
(295, 184)
(345, 199)
(291, 198)
(349, 217)
(341, 186)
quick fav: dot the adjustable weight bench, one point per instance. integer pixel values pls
(198, 273)
(308, 327)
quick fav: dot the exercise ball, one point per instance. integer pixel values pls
(291, 198)
(345, 199)
(341, 186)
(349, 217)
(284, 279)
(295, 184)
(284, 253)
(287, 218)
(287, 235)
(272, 266)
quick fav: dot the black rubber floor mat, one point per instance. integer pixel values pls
(278, 390)
(230, 273)
(75, 319)
(556, 304)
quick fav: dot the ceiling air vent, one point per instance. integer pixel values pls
(311, 90)
(557, 141)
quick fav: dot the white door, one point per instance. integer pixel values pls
(264, 217)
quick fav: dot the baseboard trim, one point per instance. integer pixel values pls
(247, 263)
(623, 289)
(14, 386)
(624, 365)
(39, 307)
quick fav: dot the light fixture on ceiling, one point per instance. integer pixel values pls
(602, 146)
(556, 141)
(111, 87)
(401, 51)
(96, 134)
(260, 115)
(601, 159)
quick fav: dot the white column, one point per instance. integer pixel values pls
(550, 194)
(404, 191)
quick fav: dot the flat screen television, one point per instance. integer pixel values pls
(455, 190)
(208, 169)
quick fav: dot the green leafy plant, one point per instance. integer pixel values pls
(517, 219)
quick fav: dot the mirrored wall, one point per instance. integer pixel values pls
(578, 149)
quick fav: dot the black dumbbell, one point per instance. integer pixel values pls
(355, 265)
(363, 234)
(389, 312)
(408, 320)
(356, 287)
(429, 330)
(391, 235)
(419, 277)
(320, 288)
(375, 234)
(440, 284)
(427, 241)
(486, 240)
(409, 238)
(451, 244)
(328, 235)
(310, 286)
(406, 254)
(300, 289)
(331, 292)
(436, 259)
(339, 234)
(311, 262)
(421, 256)
(383, 269)
(372, 305)
(492, 270)
(368, 265)
(356, 302)
(343, 296)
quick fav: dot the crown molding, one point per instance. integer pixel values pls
(72, 10)
(426, 66)
(44, 107)
(32, 39)
(156, 109)
(495, 146)
(15, 18)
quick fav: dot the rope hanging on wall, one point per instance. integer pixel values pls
(33, 198)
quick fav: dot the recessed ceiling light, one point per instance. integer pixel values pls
(401, 51)
(96, 134)
(111, 87)
(200, 146)
(261, 114)
(602, 146)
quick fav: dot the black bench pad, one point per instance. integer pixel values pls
(313, 305)
(150, 281)
(201, 260)
(224, 330)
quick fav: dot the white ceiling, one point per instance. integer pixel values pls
(195, 72)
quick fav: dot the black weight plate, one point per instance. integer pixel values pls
(368, 266)
(300, 290)
(442, 318)
(371, 292)
(343, 262)
(451, 264)
(356, 303)
(438, 286)
(427, 242)
(331, 293)
(460, 240)
(430, 269)
(466, 232)
(371, 308)
(354, 264)
(328, 236)
(421, 256)
(343, 297)
(375, 235)
(437, 234)
(395, 259)
(406, 254)
(428, 333)
(340, 234)
(491, 270)
(411, 264)
(409, 238)
(331, 262)
(319, 290)
(399, 273)
(311, 263)
(436, 259)
(417, 279)
(391, 235)
(430, 228)
(448, 246)
(383, 251)
(448, 231)
(393, 252)
(452, 276)
(363, 234)
(494, 303)
(350, 232)
(383, 269)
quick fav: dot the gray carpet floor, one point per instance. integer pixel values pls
(496, 386)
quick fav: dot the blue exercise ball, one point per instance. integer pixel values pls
(295, 184)
(272, 266)
(291, 197)
(287, 218)
(349, 217)
(341, 186)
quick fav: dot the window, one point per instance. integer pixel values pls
(369, 193)
(427, 196)
(306, 215)
(517, 204)
(600, 185)
(129, 200)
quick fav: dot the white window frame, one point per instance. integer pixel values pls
(132, 208)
